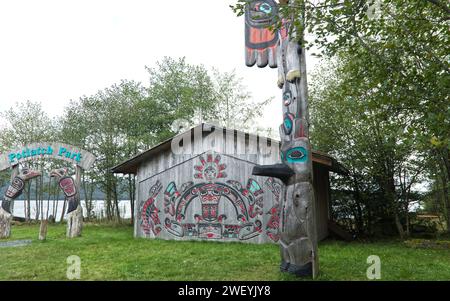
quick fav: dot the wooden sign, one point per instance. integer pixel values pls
(43, 150)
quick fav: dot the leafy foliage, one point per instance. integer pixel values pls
(382, 103)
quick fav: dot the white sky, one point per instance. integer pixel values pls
(54, 51)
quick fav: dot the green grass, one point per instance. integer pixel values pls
(111, 253)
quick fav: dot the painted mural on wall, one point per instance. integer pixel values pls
(195, 209)
(273, 225)
(150, 221)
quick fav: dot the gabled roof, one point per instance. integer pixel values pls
(130, 166)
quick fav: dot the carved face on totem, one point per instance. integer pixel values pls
(67, 185)
(295, 155)
(287, 97)
(59, 173)
(262, 13)
(15, 188)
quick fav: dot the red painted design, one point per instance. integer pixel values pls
(273, 225)
(149, 212)
(246, 201)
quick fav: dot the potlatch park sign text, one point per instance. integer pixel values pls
(44, 150)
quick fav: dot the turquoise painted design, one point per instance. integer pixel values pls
(254, 186)
(288, 123)
(171, 189)
(296, 155)
(265, 8)
(287, 96)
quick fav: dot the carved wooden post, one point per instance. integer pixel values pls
(75, 217)
(6, 210)
(18, 180)
(298, 233)
(71, 190)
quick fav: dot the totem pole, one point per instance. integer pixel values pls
(15, 189)
(282, 49)
(74, 212)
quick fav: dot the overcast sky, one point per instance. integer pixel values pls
(55, 51)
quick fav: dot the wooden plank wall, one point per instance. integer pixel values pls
(169, 167)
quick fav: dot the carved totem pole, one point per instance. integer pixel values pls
(15, 189)
(74, 212)
(298, 237)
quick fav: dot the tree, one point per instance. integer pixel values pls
(377, 144)
(234, 106)
(395, 66)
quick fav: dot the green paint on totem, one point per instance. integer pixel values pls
(288, 125)
(254, 186)
(296, 155)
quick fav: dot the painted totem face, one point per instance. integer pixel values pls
(28, 174)
(262, 13)
(287, 97)
(15, 188)
(295, 155)
(68, 186)
(58, 173)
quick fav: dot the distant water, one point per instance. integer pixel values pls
(98, 210)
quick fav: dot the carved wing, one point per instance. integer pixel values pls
(260, 42)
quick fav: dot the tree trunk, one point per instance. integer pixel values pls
(36, 200)
(57, 203)
(108, 198)
(358, 201)
(399, 226)
(87, 200)
(28, 185)
(446, 198)
(116, 201)
(41, 193)
(408, 232)
(444, 179)
(48, 200)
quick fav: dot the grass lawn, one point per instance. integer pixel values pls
(111, 253)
